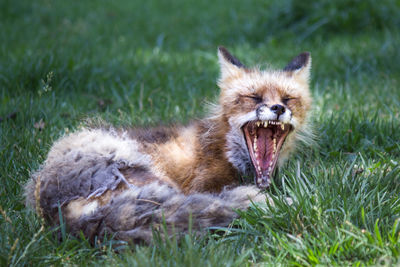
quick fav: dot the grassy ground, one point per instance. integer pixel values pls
(142, 62)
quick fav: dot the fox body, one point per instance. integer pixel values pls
(123, 181)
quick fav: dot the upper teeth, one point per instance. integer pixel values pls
(266, 123)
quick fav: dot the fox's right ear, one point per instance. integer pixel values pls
(229, 64)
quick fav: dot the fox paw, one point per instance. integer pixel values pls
(108, 179)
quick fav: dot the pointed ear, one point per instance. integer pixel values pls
(229, 64)
(300, 67)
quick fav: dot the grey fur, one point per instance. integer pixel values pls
(237, 152)
(132, 215)
(87, 164)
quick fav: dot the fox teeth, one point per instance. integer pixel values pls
(272, 160)
(255, 145)
(266, 123)
(274, 140)
(275, 122)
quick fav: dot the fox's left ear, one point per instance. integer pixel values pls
(229, 64)
(300, 67)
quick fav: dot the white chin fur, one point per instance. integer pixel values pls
(238, 121)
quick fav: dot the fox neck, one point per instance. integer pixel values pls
(230, 140)
(237, 152)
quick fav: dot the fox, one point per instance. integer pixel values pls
(126, 182)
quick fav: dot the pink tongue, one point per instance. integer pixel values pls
(264, 144)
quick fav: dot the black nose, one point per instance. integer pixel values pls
(278, 109)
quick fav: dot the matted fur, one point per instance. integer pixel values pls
(84, 162)
(125, 182)
(133, 215)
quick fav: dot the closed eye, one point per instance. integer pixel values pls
(286, 100)
(257, 99)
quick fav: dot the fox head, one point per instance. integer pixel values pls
(266, 113)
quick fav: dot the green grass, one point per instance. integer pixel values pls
(146, 62)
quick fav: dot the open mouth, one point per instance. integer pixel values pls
(264, 141)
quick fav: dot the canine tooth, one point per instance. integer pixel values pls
(259, 168)
(258, 123)
(265, 124)
(283, 127)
